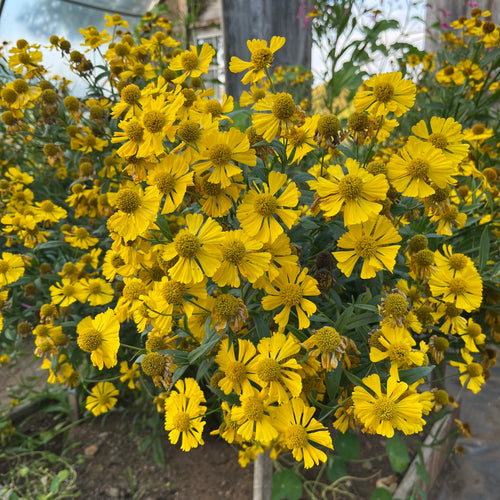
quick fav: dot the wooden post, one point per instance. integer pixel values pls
(262, 476)
(263, 19)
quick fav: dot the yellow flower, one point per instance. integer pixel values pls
(129, 373)
(198, 247)
(253, 417)
(471, 373)
(216, 201)
(11, 268)
(80, 238)
(417, 165)
(301, 140)
(260, 209)
(172, 177)
(278, 117)
(219, 151)
(472, 335)
(136, 211)
(290, 289)
(65, 293)
(191, 63)
(102, 398)
(241, 255)
(100, 336)
(183, 414)
(262, 57)
(464, 289)
(357, 192)
(397, 344)
(446, 134)
(300, 432)
(382, 412)
(276, 367)
(238, 370)
(372, 241)
(98, 291)
(388, 92)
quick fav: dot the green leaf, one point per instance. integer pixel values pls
(398, 454)
(347, 445)
(332, 381)
(484, 248)
(343, 320)
(411, 375)
(354, 379)
(423, 473)
(286, 485)
(336, 469)
(54, 485)
(381, 494)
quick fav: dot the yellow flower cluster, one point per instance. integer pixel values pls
(263, 265)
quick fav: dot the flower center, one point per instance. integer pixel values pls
(458, 261)
(438, 140)
(350, 187)
(418, 168)
(165, 181)
(383, 92)
(153, 364)
(297, 137)
(220, 155)
(478, 129)
(365, 247)
(452, 311)
(181, 421)
(154, 121)
(134, 290)
(451, 214)
(95, 287)
(296, 437)
(235, 252)
(173, 292)
(291, 294)
(395, 304)
(441, 344)
(269, 370)
(283, 107)
(458, 286)
(258, 94)
(226, 305)
(474, 330)
(384, 408)
(47, 206)
(189, 61)
(4, 266)
(68, 290)
(128, 200)
(81, 233)
(134, 131)
(253, 408)
(187, 245)
(236, 372)
(424, 258)
(117, 261)
(188, 131)
(211, 188)
(262, 58)
(90, 340)
(265, 204)
(214, 107)
(327, 339)
(398, 353)
(474, 369)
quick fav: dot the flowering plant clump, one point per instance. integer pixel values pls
(283, 270)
